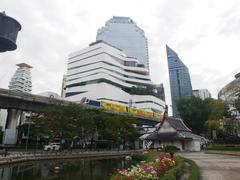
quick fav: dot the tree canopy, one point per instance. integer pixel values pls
(196, 112)
(74, 120)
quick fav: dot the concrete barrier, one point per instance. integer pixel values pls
(15, 158)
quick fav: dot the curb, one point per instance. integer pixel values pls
(232, 153)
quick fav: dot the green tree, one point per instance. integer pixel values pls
(213, 124)
(194, 111)
(118, 127)
(74, 120)
(201, 115)
(218, 108)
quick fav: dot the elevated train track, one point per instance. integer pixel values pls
(10, 99)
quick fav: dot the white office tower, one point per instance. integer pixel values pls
(21, 80)
(202, 93)
(104, 73)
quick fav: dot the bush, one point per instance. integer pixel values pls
(224, 147)
(143, 157)
(168, 148)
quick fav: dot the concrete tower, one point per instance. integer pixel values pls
(22, 80)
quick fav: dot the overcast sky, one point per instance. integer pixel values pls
(205, 34)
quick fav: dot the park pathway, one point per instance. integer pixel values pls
(216, 166)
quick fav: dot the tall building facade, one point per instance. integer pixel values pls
(123, 33)
(104, 73)
(63, 91)
(22, 80)
(180, 82)
(230, 93)
(160, 91)
(202, 93)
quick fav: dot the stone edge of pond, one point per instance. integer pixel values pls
(51, 156)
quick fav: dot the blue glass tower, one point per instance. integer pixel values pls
(123, 33)
(180, 82)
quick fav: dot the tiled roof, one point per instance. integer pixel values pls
(182, 132)
(189, 135)
(178, 124)
(171, 136)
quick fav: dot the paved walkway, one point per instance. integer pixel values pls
(216, 166)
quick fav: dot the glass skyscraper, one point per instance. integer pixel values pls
(180, 82)
(123, 33)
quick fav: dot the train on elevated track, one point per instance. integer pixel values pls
(114, 107)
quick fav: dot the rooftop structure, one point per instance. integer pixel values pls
(23, 65)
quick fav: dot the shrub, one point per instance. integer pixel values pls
(169, 148)
(143, 157)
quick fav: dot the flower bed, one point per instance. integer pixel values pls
(152, 170)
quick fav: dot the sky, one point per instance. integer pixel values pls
(205, 34)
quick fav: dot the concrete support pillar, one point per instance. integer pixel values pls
(10, 134)
(3, 118)
(13, 118)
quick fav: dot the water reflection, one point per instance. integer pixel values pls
(75, 169)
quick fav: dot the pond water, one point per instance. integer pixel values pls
(70, 169)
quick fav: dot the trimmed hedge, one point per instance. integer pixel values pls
(224, 147)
